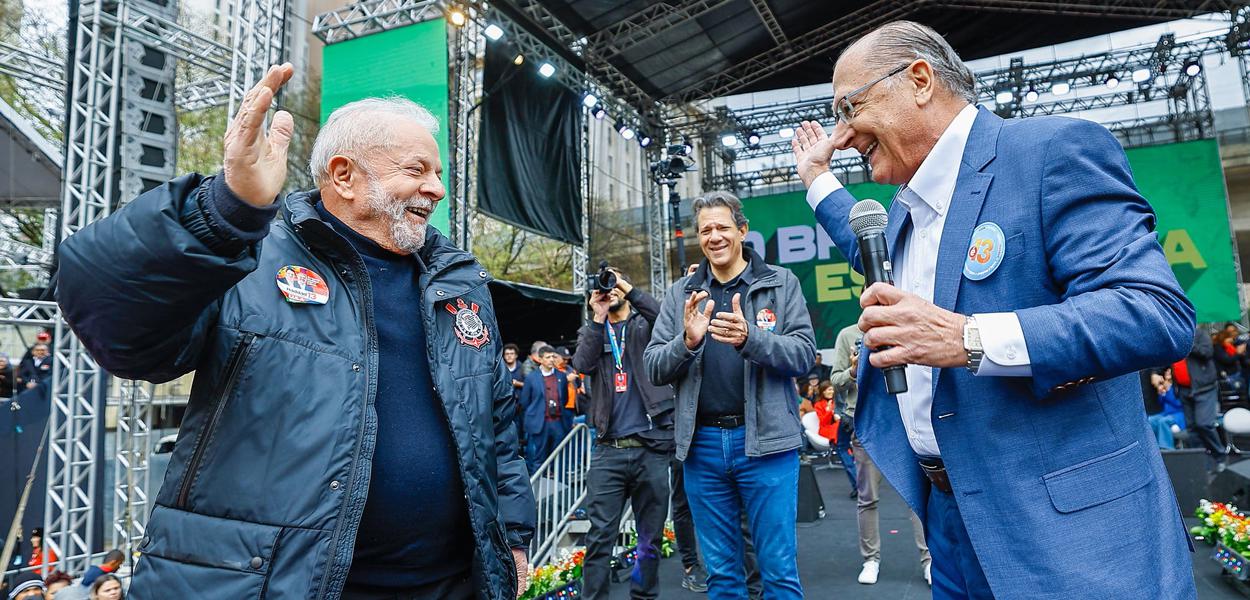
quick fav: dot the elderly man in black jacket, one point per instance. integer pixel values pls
(634, 424)
(347, 361)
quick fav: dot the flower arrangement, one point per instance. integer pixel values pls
(561, 578)
(1223, 523)
(558, 579)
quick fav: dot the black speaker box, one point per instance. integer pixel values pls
(811, 503)
(1188, 471)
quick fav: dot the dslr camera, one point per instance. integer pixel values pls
(604, 281)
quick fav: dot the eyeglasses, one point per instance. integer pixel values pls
(844, 109)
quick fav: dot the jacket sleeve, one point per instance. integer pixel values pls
(1122, 308)
(667, 356)
(840, 370)
(790, 351)
(142, 288)
(831, 214)
(517, 510)
(589, 348)
(645, 304)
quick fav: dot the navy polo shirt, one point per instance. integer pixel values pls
(723, 389)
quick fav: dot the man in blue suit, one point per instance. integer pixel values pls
(1030, 289)
(543, 396)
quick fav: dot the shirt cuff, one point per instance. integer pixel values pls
(824, 184)
(1006, 354)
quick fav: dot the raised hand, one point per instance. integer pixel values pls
(730, 327)
(255, 163)
(599, 305)
(813, 150)
(697, 320)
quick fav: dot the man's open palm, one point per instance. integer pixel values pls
(255, 162)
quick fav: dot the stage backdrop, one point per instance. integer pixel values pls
(1183, 182)
(410, 62)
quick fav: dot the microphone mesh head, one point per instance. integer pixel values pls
(868, 216)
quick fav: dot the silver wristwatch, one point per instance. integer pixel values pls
(972, 345)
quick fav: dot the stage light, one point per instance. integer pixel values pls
(753, 138)
(729, 140)
(1193, 67)
(1031, 95)
(1004, 97)
(520, 58)
(644, 140)
(786, 133)
(623, 129)
(494, 32)
(598, 112)
(457, 17)
(1060, 88)
(590, 101)
(1140, 75)
(1112, 81)
(547, 70)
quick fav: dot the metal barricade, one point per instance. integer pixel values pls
(559, 489)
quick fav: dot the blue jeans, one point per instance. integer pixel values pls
(722, 482)
(843, 450)
(956, 571)
(1161, 425)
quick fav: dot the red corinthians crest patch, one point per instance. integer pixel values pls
(469, 328)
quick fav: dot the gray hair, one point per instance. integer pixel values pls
(353, 130)
(719, 198)
(901, 42)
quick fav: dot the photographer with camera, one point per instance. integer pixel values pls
(633, 421)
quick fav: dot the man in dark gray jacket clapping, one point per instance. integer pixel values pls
(732, 337)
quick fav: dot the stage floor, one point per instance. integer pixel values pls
(829, 560)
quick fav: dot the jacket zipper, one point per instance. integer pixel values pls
(233, 366)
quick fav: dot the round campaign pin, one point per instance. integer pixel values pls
(985, 252)
(300, 285)
(766, 319)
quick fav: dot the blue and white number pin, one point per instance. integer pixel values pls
(985, 252)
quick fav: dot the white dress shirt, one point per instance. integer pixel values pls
(927, 198)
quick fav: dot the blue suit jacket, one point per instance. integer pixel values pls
(534, 399)
(1058, 478)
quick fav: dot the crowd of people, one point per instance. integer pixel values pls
(98, 582)
(1184, 400)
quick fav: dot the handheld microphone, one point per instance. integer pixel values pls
(868, 220)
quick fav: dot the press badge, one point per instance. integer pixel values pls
(622, 382)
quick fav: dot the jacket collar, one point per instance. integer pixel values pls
(300, 212)
(758, 269)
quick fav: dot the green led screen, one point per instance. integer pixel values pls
(1183, 182)
(410, 62)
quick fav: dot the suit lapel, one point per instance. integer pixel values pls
(965, 208)
(899, 218)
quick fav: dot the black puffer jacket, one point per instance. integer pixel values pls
(265, 490)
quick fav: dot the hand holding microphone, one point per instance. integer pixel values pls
(901, 328)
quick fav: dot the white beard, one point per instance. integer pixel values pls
(409, 237)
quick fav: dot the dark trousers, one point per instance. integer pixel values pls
(956, 571)
(1201, 413)
(459, 588)
(683, 523)
(539, 444)
(616, 475)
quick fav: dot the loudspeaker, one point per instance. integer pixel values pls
(811, 503)
(1188, 471)
(1231, 486)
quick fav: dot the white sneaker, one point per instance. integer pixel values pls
(872, 569)
(928, 574)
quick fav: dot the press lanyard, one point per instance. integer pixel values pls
(617, 354)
